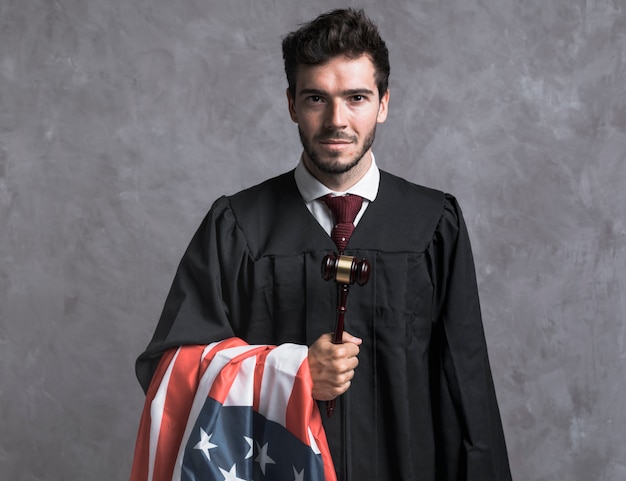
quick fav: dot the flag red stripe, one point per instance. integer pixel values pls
(225, 344)
(258, 376)
(141, 461)
(180, 394)
(222, 383)
(300, 402)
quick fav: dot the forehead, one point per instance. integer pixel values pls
(342, 73)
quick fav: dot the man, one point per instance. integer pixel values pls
(421, 404)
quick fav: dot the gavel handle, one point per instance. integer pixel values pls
(330, 407)
(338, 336)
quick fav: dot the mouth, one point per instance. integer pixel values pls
(335, 142)
(335, 145)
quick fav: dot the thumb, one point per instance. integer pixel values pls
(347, 337)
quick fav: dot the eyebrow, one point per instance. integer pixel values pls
(345, 93)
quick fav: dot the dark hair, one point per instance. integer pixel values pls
(346, 32)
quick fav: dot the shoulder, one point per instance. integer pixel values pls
(399, 187)
(427, 201)
(232, 213)
(270, 191)
(262, 201)
(253, 201)
(417, 204)
(270, 216)
(413, 211)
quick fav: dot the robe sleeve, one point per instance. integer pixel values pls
(207, 288)
(468, 429)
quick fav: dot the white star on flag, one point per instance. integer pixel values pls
(298, 476)
(205, 443)
(231, 475)
(251, 444)
(263, 459)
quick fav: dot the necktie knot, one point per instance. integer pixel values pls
(344, 209)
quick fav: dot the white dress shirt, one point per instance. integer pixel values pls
(312, 189)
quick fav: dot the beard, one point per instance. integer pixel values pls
(330, 163)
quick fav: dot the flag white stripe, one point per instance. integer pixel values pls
(312, 442)
(276, 387)
(207, 350)
(242, 391)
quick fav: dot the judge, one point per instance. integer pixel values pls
(415, 397)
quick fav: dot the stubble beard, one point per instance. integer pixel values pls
(328, 164)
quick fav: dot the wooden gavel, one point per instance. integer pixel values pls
(345, 270)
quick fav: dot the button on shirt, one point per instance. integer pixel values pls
(312, 189)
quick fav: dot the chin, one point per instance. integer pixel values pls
(335, 166)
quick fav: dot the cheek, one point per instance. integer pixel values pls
(308, 124)
(366, 123)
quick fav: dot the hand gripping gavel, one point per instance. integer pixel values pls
(345, 270)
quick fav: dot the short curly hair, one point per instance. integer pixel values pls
(343, 32)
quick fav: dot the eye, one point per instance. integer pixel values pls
(315, 99)
(359, 98)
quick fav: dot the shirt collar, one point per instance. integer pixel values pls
(310, 188)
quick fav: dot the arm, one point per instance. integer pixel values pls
(204, 291)
(470, 439)
(208, 302)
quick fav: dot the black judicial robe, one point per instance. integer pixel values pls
(422, 404)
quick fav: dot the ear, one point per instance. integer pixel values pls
(383, 108)
(292, 107)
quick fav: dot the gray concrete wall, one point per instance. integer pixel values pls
(121, 121)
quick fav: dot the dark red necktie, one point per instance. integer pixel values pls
(344, 209)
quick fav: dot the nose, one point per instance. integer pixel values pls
(335, 116)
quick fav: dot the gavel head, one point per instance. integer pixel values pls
(345, 269)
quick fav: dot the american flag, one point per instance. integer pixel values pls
(229, 411)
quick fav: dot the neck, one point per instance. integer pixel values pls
(340, 182)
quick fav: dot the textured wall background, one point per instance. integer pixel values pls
(121, 121)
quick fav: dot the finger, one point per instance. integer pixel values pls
(345, 365)
(346, 351)
(347, 337)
